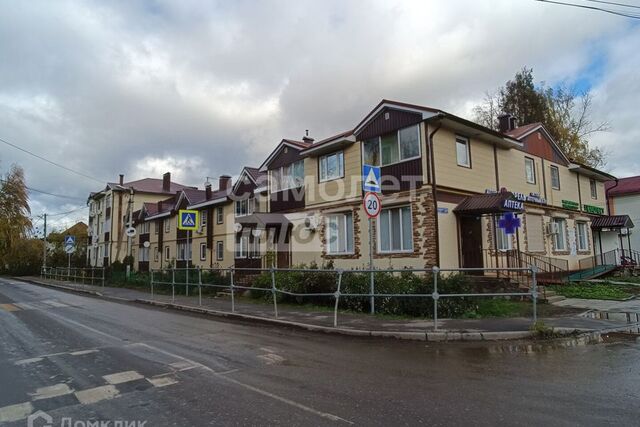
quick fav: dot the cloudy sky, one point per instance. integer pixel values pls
(201, 88)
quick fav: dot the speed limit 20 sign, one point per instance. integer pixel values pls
(372, 204)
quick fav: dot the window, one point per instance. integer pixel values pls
(560, 238)
(156, 227)
(183, 251)
(583, 244)
(462, 152)
(287, 177)
(219, 215)
(156, 253)
(219, 250)
(167, 225)
(203, 218)
(395, 230)
(392, 148)
(203, 251)
(530, 170)
(145, 228)
(503, 240)
(594, 188)
(340, 233)
(167, 253)
(242, 246)
(555, 178)
(332, 166)
(143, 255)
(106, 251)
(244, 207)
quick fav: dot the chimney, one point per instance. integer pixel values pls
(224, 182)
(306, 138)
(121, 179)
(506, 122)
(207, 191)
(166, 182)
(159, 203)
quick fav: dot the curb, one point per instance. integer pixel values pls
(586, 335)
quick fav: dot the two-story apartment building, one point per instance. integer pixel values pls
(109, 211)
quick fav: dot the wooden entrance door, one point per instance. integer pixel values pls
(279, 243)
(471, 241)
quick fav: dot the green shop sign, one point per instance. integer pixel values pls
(570, 204)
(593, 209)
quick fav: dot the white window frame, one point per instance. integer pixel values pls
(501, 238)
(241, 249)
(379, 225)
(184, 251)
(462, 140)
(219, 250)
(219, 215)
(203, 251)
(561, 236)
(156, 254)
(348, 243)
(527, 161)
(400, 160)
(557, 171)
(167, 225)
(249, 207)
(156, 227)
(203, 218)
(285, 180)
(322, 166)
(143, 254)
(593, 188)
(167, 253)
(579, 236)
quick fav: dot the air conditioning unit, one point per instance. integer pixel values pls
(625, 231)
(311, 223)
(553, 228)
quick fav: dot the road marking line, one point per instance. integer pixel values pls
(25, 306)
(254, 389)
(9, 307)
(162, 381)
(271, 358)
(28, 361)
(226, 378)
(122, 377)
(54, 303)
(83, 352)
(182, 365)
(15, 412)
(51, 391)
(97, 394)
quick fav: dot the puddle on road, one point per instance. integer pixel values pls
(630, 318)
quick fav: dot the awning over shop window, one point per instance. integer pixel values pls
(485, 204)
(611, 221)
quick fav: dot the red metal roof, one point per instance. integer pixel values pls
(150, 185)
(522, 130)
(629, 185)
(612, 221)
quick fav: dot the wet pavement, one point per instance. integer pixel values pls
(90, 359)
(573, 319)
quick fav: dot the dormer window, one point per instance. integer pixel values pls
(287, 177)
(244, 207)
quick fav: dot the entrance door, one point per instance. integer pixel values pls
(471, 241)
(279, 238)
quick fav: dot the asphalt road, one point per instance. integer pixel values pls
(86, 359)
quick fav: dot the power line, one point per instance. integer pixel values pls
(51, 162)
(633, 6)
(47, 193)
(68, 212)
(599, 9)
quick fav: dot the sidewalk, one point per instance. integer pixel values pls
(348, 323)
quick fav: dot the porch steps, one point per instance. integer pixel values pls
(550, 296)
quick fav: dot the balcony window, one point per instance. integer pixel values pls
(393, 147)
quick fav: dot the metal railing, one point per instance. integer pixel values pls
(549, 269)
(233, 281)
(84, 275)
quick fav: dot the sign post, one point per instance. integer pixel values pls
(372, 206)
(69, 248)
(188, 220)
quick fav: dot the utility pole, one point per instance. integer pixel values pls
(44, 255)
(130, 224)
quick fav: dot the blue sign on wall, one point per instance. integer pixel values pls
(371, 178)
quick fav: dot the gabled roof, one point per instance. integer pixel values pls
(218, 196)
(296, 145)
(330, 143)
(163, 207)
(522, 132)
(256, 177)
(590, 171)
(628, 185)
(147, 185)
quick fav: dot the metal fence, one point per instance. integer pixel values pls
(233, 281)
(86, 275)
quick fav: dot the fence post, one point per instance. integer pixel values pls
(436, 296)
(187, 280)
(93, 272)
(337, 295)
(534, 293)
(173, 284)
(151, 282)
(273, 291)
(102, 277)
(233, 301)
(199, 286)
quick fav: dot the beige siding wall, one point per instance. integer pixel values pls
(448, 237)
(345, 188)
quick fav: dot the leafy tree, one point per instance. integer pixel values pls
(565, 113)
(15, 221)
(56, 256)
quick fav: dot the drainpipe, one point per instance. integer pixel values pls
(606, 196)
(433, 185)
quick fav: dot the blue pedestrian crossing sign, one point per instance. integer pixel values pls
(371, 178)
(188, 219)
(69, 240)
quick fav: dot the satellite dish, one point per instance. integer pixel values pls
(237, 227)
(257, 232)
(130, 232)
(146, 244)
